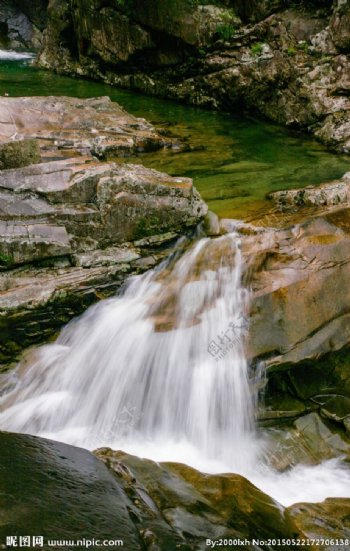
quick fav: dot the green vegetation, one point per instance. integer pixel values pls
(147, 226)
(126, 6)
(5, 260)
(303, 46)
(291, 51)
(256, 49)
(226, 31)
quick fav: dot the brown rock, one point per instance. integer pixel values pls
(72, 126)
(327, 520)
(299, 280)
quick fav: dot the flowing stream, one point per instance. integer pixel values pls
(160, 372)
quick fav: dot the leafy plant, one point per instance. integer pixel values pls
(291, 51)
(303, 46)
(257, 48)
(226, 31)
(5, 259)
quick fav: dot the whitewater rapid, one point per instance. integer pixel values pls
(160, 372)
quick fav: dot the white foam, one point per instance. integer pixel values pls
(9, 55)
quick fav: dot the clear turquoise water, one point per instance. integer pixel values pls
(242, 159)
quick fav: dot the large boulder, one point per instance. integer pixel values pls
(300, 326)
(73, 228)
(60, 492)
(300, 292)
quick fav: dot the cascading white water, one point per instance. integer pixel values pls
(9, 55)
(160, 372)
(146, 366)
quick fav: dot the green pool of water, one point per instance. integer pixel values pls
(241, 159)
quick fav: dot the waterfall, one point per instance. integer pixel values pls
(9, 55)
(164, 362)
(160, 372)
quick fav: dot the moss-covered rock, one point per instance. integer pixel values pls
(16, 154)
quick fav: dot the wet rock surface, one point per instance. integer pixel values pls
(147, 505)
(61, 492)
(298, 277)
(299, 326)
(327, 520)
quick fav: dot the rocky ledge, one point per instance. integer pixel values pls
(73, 229)
(166, 506)
(285, 60)
(336, 192)
(66, 127)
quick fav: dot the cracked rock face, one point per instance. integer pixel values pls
(299, 290)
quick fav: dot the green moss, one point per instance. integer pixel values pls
(146, 227)
(291, 51)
